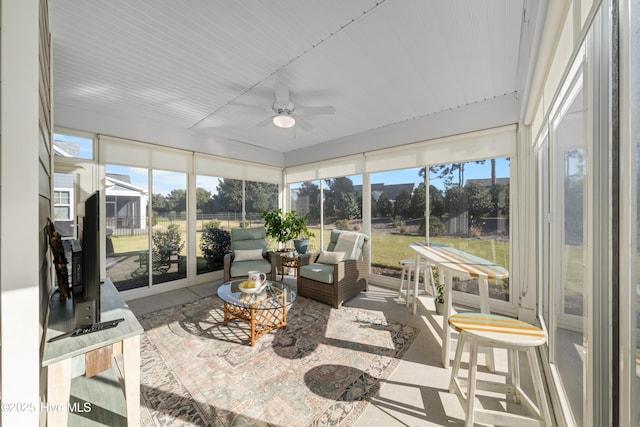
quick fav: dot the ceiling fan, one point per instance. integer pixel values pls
(287, 114)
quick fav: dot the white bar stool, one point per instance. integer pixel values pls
(408, 271)
(482, 329)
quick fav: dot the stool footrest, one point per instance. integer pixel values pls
(488, 416)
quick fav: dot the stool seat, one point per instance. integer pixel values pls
(409, 269)
(482, 329)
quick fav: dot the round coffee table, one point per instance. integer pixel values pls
(265, 312)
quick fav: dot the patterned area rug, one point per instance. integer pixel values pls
(320, 370)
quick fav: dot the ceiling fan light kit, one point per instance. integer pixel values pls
(284, 121)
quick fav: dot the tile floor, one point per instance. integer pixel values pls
(416, 393)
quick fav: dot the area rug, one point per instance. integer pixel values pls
(320, 370)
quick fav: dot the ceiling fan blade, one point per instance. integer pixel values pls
(265, 122)
(308, 111)
(282, 93)
(303, 123)
(251, 107)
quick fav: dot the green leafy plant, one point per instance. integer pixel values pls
(439, 293)
(285, 226)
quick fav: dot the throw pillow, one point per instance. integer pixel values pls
(247, 254)
(327, 257)
(347, 243)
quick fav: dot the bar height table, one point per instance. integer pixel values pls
(456, 263)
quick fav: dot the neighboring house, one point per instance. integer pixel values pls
(391, 190)
(126, 205)
(63, 205)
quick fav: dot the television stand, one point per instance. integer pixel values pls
(96, 350)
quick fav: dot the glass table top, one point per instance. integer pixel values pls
(275, 295)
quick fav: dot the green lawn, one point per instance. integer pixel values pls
(386, 249)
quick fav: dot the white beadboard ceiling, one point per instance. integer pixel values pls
(173, 71)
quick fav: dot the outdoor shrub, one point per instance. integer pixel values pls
(436, 227)
(172, 216)
(342, 224)
(214, 244)
(167, 240)
(154, 218)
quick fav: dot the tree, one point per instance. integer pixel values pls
(436, 201)
(455, 200)
(385, 206)
(452, 173)
(341, 199)
(478, 200)
(203, 198)
(402, 205)
(418, 202)
(159, 203)
(228, 197)
(177, 200)
(308, 201)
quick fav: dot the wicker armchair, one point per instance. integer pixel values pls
(334, 283)
(246, 242)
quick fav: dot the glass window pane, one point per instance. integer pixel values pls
(227, 202)
(259, 196)
(64, 218)
(78, 147)
(169, 226)
(127, 228)
(305, 200)
(634, 114)
(398, 200)
(212, 232)
(343, 203)
(569, 339)
(469, 210)
(60, 213)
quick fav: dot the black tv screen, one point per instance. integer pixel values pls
(86, 299)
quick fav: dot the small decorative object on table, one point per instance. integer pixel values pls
(253, 291)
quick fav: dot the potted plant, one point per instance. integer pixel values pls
(439, 299)
(279, 226)
(301, 233)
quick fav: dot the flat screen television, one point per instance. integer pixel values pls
(86, 296)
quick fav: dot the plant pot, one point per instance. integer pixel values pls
(302, 245)
(439, 307)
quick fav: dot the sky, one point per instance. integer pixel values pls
(165, 181)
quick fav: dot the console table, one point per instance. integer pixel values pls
(61, 357)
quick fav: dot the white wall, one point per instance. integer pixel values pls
(25, 191)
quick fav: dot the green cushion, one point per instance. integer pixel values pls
(248, 238)
(241, 268)
(318, 272)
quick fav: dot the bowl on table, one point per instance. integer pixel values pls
(250, 287)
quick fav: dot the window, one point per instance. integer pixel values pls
(305, 200)
(79, 147)
(342, 203)
(169, 226)
(398, 202)
(127, 228)
(212, 226)
(63, 204)
(469, 210)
